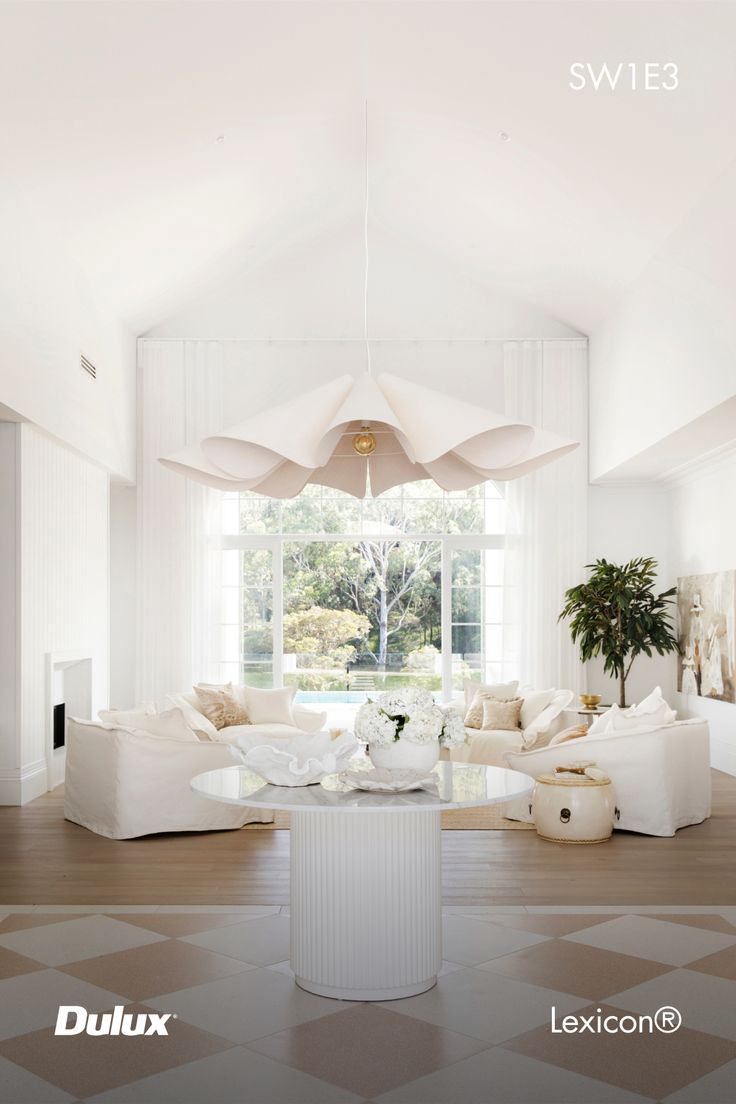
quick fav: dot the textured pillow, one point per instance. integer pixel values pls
(501, 691)
(504, 715)
(169, 725)
(270, 706)
(572, 733)
(202, 728)
(220, 706)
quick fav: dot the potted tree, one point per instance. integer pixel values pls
(618, 615)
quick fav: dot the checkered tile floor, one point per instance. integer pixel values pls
(245, 1034)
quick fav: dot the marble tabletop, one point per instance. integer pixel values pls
(459, 786)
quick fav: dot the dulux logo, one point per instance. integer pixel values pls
(72, 1019)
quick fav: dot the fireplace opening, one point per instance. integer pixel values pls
(59, 725)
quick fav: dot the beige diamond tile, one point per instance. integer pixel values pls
(156, 969)
(234, 1076)
(707, 1003)
(83, 1065)
(73, 940)
(261, 942)
(554, 926)
(498, 1076)
(366, 1049)
(652, 1065)
(18, 921)
(710, 921)
(12, 964)
(471, 941)
(31, 1001)
(246, 1006)
(18, 1086)
(721, 964)
(575, 968)
(714, 1088)
(658, 940)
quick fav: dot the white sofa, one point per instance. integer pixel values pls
(661, 775)
(122, 783)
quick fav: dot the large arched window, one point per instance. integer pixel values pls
(340, 596)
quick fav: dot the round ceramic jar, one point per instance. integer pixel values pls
(571, 808)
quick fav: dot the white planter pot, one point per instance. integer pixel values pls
(580, 811)
(405, 755)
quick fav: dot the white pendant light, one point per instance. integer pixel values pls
(355, 434)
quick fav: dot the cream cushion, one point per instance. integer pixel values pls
(501, 691)
(533, 702)
(127, 718)
(574, 732)
(500, 716)
(653, 710)
(269, 706)
(535, 729)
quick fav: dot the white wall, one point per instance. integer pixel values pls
(48, 318)
(9, 607)
(62, 591)
(667, 355)
(624, 522)
(704, 541)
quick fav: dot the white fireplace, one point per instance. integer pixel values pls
(68, 689)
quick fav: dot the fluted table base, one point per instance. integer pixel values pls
(366, 895)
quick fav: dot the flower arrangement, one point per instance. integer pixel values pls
(411, 715)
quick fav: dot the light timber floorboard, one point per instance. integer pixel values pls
(44, 860)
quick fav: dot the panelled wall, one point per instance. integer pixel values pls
(61, 583)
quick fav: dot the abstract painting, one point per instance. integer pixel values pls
(706, 606)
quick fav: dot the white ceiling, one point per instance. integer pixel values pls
(109, 115)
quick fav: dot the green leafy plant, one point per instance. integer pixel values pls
(618, 615)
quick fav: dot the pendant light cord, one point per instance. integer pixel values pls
(365, 245)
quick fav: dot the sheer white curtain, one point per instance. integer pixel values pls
(179, 402)
(546, 383)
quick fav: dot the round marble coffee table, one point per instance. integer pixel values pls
(366, 873)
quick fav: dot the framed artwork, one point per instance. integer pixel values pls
(706, 606)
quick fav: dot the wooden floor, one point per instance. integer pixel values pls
(45, 860)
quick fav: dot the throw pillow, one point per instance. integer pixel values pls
(270, 706)
(220, 706)
(534, 702)
(202, 728)
(505, 715)
(543, 721)
(169, 725)
(501, 691)
(652, 712)
(572, 733)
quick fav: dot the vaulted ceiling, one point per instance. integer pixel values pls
(110, 116)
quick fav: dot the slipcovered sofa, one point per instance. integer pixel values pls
(661, 774)
(132, 777)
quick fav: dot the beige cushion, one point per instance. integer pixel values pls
(269, 706)
(501, 715)
(220, 706)
(501, 691)
(574, 732)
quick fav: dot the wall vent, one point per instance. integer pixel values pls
(89, 367)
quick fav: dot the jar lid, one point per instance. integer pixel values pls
(567, 779)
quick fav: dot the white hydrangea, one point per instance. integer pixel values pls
(453, 731)
(408, 715)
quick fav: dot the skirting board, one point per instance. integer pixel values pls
(723, 756)
(20, 785)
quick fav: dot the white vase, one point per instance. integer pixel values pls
(405, 755)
